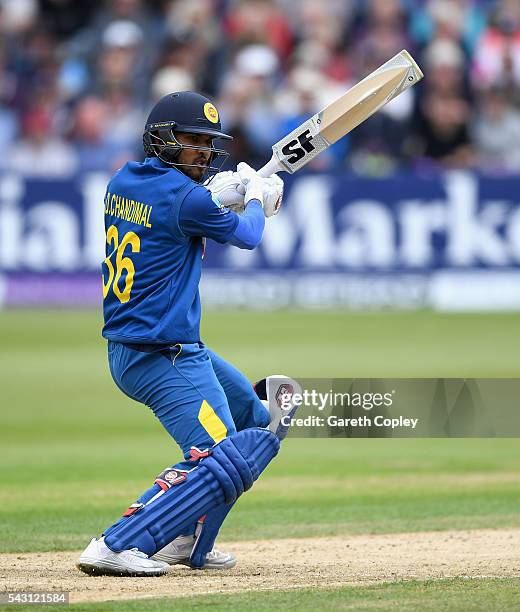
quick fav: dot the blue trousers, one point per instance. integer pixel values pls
(198, 397)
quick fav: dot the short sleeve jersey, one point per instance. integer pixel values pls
(154, 253)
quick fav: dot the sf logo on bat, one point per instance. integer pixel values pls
(299, 147)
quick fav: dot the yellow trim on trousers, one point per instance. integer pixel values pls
(211, 422)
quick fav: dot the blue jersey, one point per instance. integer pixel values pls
(156, 219)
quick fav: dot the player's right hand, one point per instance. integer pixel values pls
(253, 182)
(273, 196)
(268, 191)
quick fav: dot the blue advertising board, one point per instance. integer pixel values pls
(443, 241)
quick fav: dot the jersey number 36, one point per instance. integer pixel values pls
(122, 263)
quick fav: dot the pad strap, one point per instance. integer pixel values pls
(206, 533)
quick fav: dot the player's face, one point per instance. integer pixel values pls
(194, 156)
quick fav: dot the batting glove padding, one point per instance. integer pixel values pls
(268, 191)
(228, 189)
(234, 189)
(273, 195)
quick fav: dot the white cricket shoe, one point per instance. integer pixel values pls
(99, 560)
(179, 551)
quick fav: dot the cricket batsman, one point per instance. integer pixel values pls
(158, 215)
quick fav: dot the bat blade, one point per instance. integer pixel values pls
(344, 114)
(336, 120)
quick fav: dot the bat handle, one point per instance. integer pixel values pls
(271, 167)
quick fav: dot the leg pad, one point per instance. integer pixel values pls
(231, 468)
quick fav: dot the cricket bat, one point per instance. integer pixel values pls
(340, 117)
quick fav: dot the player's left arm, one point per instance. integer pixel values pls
(250, 228)
(201, 213)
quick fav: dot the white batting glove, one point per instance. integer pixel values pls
(269, 191)
(255, 185)
(234, 189)
(273, 195)
(228, 189)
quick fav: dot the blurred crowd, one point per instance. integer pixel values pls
(78, 78)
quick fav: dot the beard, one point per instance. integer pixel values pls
(195, 172)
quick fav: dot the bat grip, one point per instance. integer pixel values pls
(271, 167)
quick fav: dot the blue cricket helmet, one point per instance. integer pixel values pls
(186, 111)
(182, 111)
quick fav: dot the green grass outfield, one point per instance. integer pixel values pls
(75, 451)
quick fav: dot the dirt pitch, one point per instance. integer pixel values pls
(286, 564)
